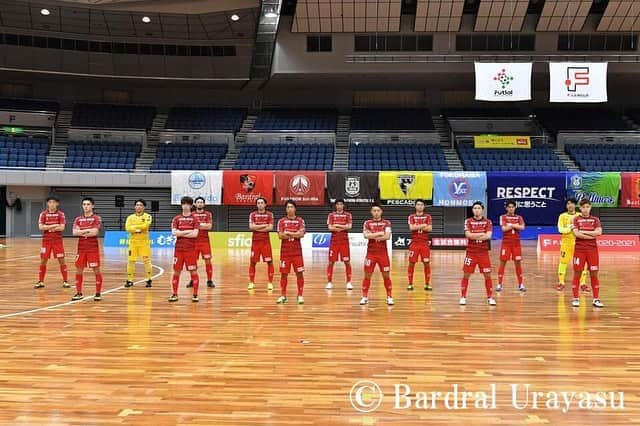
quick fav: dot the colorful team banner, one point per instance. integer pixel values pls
(630, 195)
(403, 188)
(243, 188)
(158, 239)
(352, 187)
(196, 184)
(501, 142)
(609, 243)
(583, 82)
(503, 82)
(602, 189)
(304, 188)
(458, 189)
(539, 197)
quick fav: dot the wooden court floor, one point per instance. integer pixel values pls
(237, 358)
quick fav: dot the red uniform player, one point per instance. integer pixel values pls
(86, 227)
(587, 229)
(378, 231)
(478, 230)
(261, 223)
(203, 246)
(185, 227)
(51, 222)
(339, 223)
(511, 225)
(420, 226)
(291, 229)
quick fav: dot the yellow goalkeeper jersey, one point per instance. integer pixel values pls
(564, 227)
(138, 227)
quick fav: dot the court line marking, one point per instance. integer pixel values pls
(73, 302)
(18, 258)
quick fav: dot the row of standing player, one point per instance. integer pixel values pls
(192, 244)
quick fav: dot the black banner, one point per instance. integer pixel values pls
(353, 187)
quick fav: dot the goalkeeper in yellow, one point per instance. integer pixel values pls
(137, 226)
(565, 227)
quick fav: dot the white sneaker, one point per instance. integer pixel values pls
(499, 288)
(364, 301)
(597, 303)
(522, 288)
(329, 286)
(390, 301)
(575, 303)
(349, 286)
(300, 300)
(463, 300)
(491, 301)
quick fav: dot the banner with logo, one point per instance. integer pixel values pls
(539, 197)
(458, 189)
(158, 239)
(196, 184)
(403, 188)
(304, 188)
(606, 242)
(630, 195)
(503, 82)
(501, 142)
(352, 187)
(602, 189)
(578, 82)
(243, 188)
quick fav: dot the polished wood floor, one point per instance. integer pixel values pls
(237, 358)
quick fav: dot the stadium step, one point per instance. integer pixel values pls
(148, 154)
(228, 162)
(444, 131)
(452, 159)
(566, 160)
(58, 150)
(341, 151)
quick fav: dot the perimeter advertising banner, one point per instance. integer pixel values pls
(403, 188)
(458, 189)
(630, 196)
(352, 187)
(602, 189)
(304, 188)
(243, 188)
(501, 142)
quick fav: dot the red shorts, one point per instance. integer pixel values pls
(419, 251)
(586, 257)
(53, 247)
(481, 260)
(287, 262)
(261, 249)
(339, 251)
(90, 259)
(381, 260)
(203, 249)
(185, 259)
(510, 252)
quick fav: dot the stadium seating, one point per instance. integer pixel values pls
(104, 155)
(24, 151)
(399, 156)
(182, 156)
(576, 119)
(285, 157)
(539, 158)
(315, 120)
(395, 120)
(605, 157)
(112, 116)
(206, 119)
(17, 104)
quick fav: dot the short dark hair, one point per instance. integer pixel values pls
(89, 199)
(54, 198)
(339, 200)
(376, 205)
(510, 202)
(477, 203)
(200, 198)
(186, 200)
(584, 202)
(420, 200)
(571, 200)
(140, 200)
(290, 202)
(261, 198)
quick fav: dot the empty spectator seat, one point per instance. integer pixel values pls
(605, 157)
(392, 120)
(102, 155)
(206, 119)
(539, 158)
(285, 157)
(314, 120)
(24, 151)
(397, 156)
(189, 156)
(104, 116)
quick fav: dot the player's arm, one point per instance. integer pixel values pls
(582, 235)
(77, 232)
(206, 226)
(300, 232)
(386, 234)
(427, 227)
(504, 225)
(191, 233)
(414, 226)
(42, 226)
(146, 225)
(595, 233)
(371, 235)
(93, 232)
(282, 234)
(519, 226)
(564, 228)
(130, 226)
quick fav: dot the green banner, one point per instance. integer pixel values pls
(601, 189)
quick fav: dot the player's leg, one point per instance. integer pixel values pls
(253, 261)
(208, 265)
(178, 264)
(579, 261)
(413, 259)
(566, 255)
(346, 258)
(192, 267)
(593, 260)
(333, 258)
(145, 253)
(64, 271)
(81, 263)
(98, 296)
(369, 266)
(300, 283)
(267, 257)
(197, 253)
(386, 278)
(285, 268)
(132, 257)
(426, 262)
(484, 263)
(505, 255)
(517, 261)
(45, 253)
(469, 266)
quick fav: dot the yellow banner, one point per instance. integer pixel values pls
(405, 185)
(238, 240)
(502, 142)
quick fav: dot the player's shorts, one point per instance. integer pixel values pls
(186, 260)
(481, 260)
(203, 249)
(261, 250)
(566, 252)
(381, 260)
(419, 251)
(339, 251)
(295, 262)
(53, 248)
(88, 259)
(139, 250)
(510, 252)
(586, 257)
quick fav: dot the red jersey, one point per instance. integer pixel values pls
(477, 226)
(371, 225)
(185, 223)
(336, 218)
(87, 244)
(421, 237)
(258, 218)
(203, 217)
(55, 218)
(291, 247)
(582, 223)
(513, 236)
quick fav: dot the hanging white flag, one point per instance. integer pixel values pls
(503, 82)
(578, 82)
(206, 184)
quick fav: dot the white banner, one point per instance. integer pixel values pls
(196, 184)
(503, 82)
(577, 82)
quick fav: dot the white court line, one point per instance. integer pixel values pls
(48, 308)
(18, 258)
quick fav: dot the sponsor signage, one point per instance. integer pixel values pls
(606, 243)
(304, 188)
(207, 184)
(403, 188)
(243, 188)
(501, 142)
(503, 82)
(458, 189)
(352, 187)
(583, 82)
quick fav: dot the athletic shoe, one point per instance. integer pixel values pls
(410, 287)
(585, 288)
(66, 285)
(128, 284)
(560, 287)
(597, 303)
(190, 285)
(195, 298)
(77, 296)
(173, 298)
(148, 284)
(463, 301)
(349, 286)
(491, 301)
(575, 303)
(522, 288)
(251, 286)
(499, 288)
(97, 297)
(211, 284)
(281, 300)
(300, 300)
(390, 301)
(364, 301)
(39, 284)
(329, 286)
(428, 287)
(270, 287)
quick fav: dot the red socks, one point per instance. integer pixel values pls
(488, 285)
(78, 283)
(387, 286)
(283, 285)
(366, 283)
(196, 282)
(209, 269)
(98, 283)
(300, 282)
(270, 271)
(464, 286)
(42, 272)
(347, 268)
(252, 273)
(410, 271)
(174, 282)
(63, 271)
(501, 274)
(330, 272)
(519, 273)
(427, 273)
(595, 287)
(575, 284)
